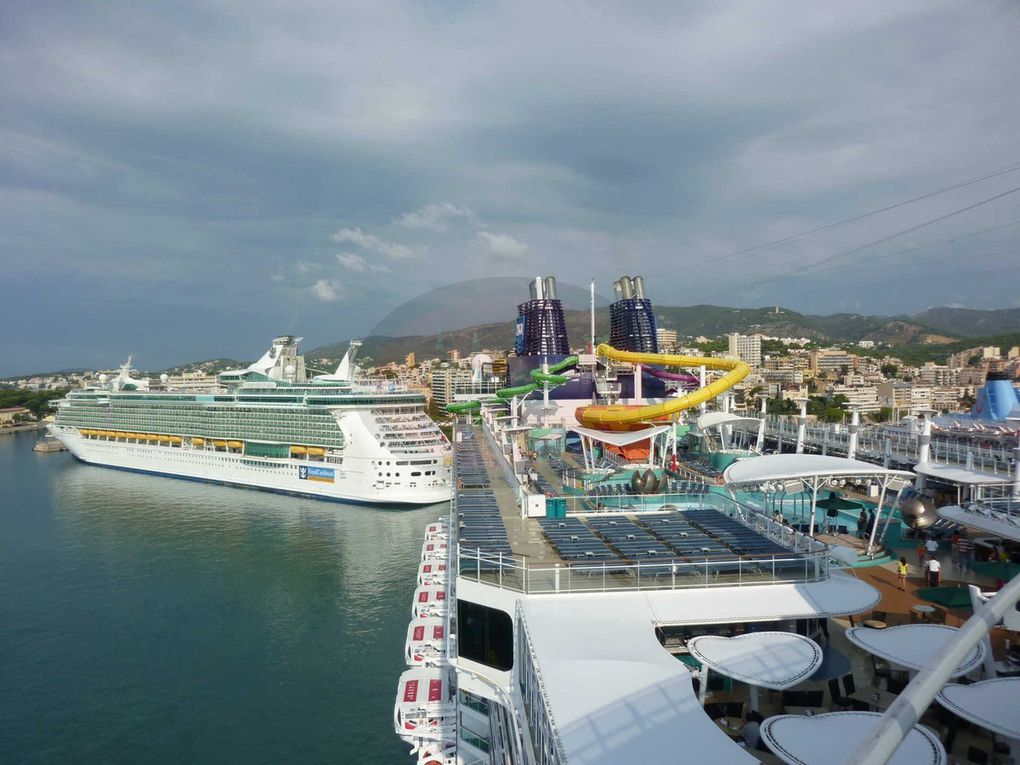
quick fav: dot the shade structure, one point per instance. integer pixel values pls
(774, 660)
(834, 503)
(991, 704)
(783, 467)
(834, 664)
(912, 645)
(829, 739)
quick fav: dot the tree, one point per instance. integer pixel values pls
(889, 370)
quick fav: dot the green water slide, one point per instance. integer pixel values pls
(504, 394)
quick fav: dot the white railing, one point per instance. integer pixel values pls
(512, 573)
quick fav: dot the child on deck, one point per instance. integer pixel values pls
(901, 573)
(921, 552)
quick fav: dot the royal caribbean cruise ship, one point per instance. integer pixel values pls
(267, 427)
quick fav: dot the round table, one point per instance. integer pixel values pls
(924, 610)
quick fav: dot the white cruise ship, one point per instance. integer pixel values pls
(598, 607)
(267, 427)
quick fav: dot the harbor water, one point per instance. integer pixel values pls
(155, 620)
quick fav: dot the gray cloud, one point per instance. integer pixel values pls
(206, 153)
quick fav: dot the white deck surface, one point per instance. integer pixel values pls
(839, 595)
(617, 696)
(775, 660)
(912, 645)
(830, 739)
(992, 704)
(784, 467)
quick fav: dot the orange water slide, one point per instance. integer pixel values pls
(622, 417)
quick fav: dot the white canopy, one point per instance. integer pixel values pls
(982, 519)
(912, 645)
(785, 467)
(775, 660)
(992, 704)
(622, 438)
(715, 419)
(829, 739)
(956, 474)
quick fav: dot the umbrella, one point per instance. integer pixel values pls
(834, 503)
(950, 597)
(834, 664)
(996, 569)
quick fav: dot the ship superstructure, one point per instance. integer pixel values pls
(269, 427)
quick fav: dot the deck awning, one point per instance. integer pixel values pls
(774, 660)
(621, 438)
(715, 419)
(956, 474)
(983, 519)
(913, 645)
(788, 467)
(827, 738)
(989, 703)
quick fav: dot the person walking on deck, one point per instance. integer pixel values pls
(954, 548)
(902, 569)
(965, 550)
(862, 524)
(921, 552)
(934, 572)
(932, 547)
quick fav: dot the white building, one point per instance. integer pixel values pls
(746, 348)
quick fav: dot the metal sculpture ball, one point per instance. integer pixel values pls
(915, 513)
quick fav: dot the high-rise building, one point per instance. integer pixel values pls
(409, 359)
(453, 355)
(667, 339)
(746, 348)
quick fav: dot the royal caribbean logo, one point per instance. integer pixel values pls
(309, 473)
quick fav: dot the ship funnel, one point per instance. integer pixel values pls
(550, 288)
(627, 286)
(537, 289)
(639, 287)
(618, 290)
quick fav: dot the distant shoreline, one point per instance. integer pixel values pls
(22, 428)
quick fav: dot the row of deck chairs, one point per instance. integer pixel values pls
(573, 541)
(741, 539)
(678, 486)
(702, 466)
(481, 526)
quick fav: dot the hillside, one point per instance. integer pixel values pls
(932, 335)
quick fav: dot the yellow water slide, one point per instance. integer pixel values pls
(621, 417)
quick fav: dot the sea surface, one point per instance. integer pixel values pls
(155, 620)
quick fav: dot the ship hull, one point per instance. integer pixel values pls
(349, 482)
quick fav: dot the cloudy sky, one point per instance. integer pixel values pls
(183, 180)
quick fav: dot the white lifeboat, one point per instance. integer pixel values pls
(438, 530)
(432, 573)
(434, 550)
(425, 708)
(437, 753)
(430, 602)
(426, 643)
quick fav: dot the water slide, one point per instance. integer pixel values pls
(662, 374)
(621, 417)
(538, 375)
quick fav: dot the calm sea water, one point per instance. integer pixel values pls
(153, 620)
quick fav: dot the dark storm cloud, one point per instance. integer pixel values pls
(175, 179)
